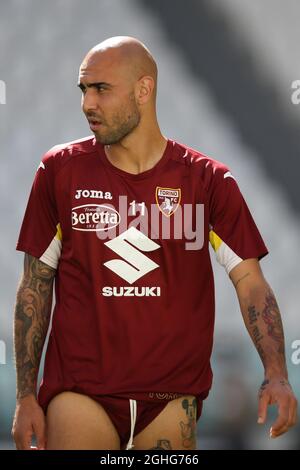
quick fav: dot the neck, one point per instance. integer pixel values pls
(139, 151)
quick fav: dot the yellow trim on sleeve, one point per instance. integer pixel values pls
(59, 232)
(215, 240)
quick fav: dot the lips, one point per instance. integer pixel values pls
(94, 122)
(94, 125)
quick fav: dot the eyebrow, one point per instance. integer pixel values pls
(93, 85)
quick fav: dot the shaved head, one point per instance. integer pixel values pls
(118, 79)
(129, 53)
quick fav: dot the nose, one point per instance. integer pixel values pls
(89, 101)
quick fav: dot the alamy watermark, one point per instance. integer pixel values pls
(295, 96)
(295, 358)
(165, 220)
(2, 92)
(2, 352)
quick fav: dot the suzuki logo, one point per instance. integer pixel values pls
(127, 246)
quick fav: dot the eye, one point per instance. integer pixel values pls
(100, 88)
(82, 88)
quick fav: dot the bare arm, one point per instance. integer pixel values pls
(263, 321)
(32, 316)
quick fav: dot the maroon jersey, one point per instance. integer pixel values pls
(134, 310)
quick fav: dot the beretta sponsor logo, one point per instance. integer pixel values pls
(94, 217)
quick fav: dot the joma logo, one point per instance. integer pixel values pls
(92, 193)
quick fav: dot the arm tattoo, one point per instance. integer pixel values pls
(263, 387)
(32, 316)
(253, 314)
(283, 383)
(272, 318)
(266, 330)
(241, 278)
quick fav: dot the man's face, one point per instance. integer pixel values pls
(108, 99)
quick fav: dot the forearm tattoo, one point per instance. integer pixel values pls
(266, 329)
(32, 315)
(272, 318)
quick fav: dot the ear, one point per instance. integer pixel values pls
(145, 88)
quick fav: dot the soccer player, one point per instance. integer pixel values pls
(121, 222)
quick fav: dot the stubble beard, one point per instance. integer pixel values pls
(122, 125)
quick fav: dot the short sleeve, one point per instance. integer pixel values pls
(234, 235)
(40, 234)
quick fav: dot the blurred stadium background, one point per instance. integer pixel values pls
(225, 74)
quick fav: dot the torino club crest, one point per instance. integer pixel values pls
(168, 199)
